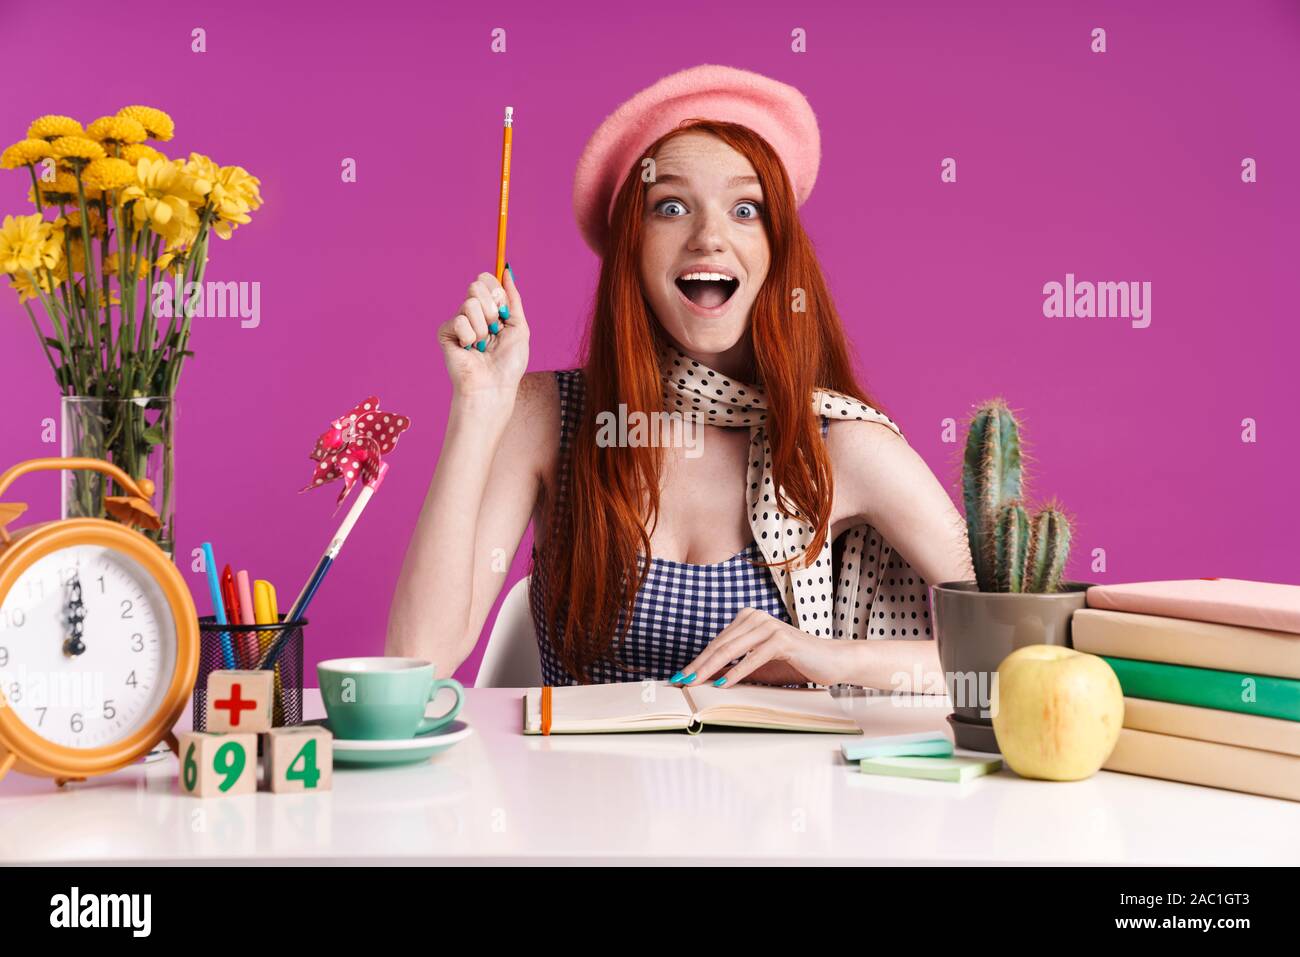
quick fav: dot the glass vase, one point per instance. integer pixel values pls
(139, 437)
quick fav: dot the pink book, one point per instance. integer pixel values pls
(1227, 601)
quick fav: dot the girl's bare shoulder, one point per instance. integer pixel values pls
(533, 435)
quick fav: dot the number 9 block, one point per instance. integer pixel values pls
(298, 758)
(214, 765)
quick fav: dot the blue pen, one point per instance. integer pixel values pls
(218, 606)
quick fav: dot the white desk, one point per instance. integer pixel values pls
(720, 796)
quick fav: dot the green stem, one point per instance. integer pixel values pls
(124, 241)
(148, 335)
(199, 267)
(103, 258)
(40, 334)
(90, 282)
(36, 189)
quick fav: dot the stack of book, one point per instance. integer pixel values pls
(1210, 669)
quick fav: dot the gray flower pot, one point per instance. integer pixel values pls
(976, 630)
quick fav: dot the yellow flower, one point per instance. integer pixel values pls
(62, 189)
(243, 184)
(76, 151)
(24, 153)
(138, 151)
(73, 222)
(117, 129)
(157, 124)
(23, 285)
(52, 127)
(198, 186)
(112, 266)
(163, 196)
(234, 192)
(108, 173)
(27, 242)
(201, 167)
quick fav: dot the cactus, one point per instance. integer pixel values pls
(1048, 550)
(1011, 553)
(1010, 545)
(990, 479)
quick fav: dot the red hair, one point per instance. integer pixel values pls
(614, 491)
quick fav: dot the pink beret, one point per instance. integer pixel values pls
(775, 111)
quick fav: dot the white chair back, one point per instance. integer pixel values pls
(511, 658)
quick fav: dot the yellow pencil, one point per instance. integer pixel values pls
(505, 193)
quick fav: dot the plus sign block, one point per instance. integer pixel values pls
(217, 765)
(240, 701)
(298, 758)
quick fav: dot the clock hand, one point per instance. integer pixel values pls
(76, 619)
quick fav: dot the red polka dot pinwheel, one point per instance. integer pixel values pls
(354, 445)
(352, 448)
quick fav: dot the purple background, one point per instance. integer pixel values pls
(1117, 166)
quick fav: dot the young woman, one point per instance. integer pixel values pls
(705, 560)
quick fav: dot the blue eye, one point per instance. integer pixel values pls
(754, 206)
(659, 206)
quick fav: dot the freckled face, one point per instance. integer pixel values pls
(704, 217)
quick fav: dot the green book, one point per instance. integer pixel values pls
(1207, 688)
(955, 769)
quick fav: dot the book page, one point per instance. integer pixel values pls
(621, 706)
(803, 707)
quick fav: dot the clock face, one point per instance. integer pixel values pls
(87, 646)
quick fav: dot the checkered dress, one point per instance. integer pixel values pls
(680, 607)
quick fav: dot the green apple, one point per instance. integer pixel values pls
(1056, 712)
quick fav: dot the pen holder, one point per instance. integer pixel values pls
(213, 642)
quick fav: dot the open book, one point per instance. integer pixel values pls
(660, 706)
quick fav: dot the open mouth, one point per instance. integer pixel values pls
(708, 293)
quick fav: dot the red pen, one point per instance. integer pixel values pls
(230, 598)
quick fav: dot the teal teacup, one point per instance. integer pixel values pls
(371, 699)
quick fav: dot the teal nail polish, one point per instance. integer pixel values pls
(675, 678)
(512, 274)
(720, 682)
(482, 345)
(494, 328)
(503, 312)
(470, 346)
(689, 678)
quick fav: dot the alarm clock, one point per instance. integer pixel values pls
(99, 637)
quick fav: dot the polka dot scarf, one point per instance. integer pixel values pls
(877, 594)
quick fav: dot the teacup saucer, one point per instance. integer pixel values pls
(388, 751)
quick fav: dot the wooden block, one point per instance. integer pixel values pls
(215, 765)
(240, 701)
(298, 758)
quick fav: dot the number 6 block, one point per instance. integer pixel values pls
(298, 758)
(214, 765)
(240, 701)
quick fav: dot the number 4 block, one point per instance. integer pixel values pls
(298, 758)
(240, 700)
(212, 765)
